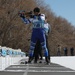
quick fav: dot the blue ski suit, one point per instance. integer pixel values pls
(38, 33)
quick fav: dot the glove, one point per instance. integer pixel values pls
(21, 14)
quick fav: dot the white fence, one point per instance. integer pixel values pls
(9, 56)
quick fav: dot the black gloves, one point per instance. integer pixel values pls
(21, 14)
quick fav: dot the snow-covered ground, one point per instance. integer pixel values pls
(67, 61)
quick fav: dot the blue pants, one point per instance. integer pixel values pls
(38, 34)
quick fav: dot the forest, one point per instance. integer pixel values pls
(15, 34)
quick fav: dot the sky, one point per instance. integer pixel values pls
(63, 8)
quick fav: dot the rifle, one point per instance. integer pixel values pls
(22, 13)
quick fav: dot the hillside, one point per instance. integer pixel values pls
(14, 33)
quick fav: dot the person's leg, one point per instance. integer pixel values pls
(31, 52)
(40, 54)
(48, 47)
(39, 49)
(32, 46)
(72, 53)
(36, 52)
(43, 43)
(65, 52)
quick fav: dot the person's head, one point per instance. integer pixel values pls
(36, 10)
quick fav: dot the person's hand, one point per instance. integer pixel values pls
(21, 13)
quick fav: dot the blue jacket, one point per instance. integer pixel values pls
(37, 21)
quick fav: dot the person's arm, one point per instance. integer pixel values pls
(26, 20)
(49, 30)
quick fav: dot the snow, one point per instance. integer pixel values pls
(67, 61)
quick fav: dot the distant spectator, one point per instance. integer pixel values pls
(72, 51)
(65, 51)
(59, 50)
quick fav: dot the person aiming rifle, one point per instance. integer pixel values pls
(38, 32)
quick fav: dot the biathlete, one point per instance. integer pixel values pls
(38, 32)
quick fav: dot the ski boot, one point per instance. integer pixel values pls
(47, 61)
(30, 59)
